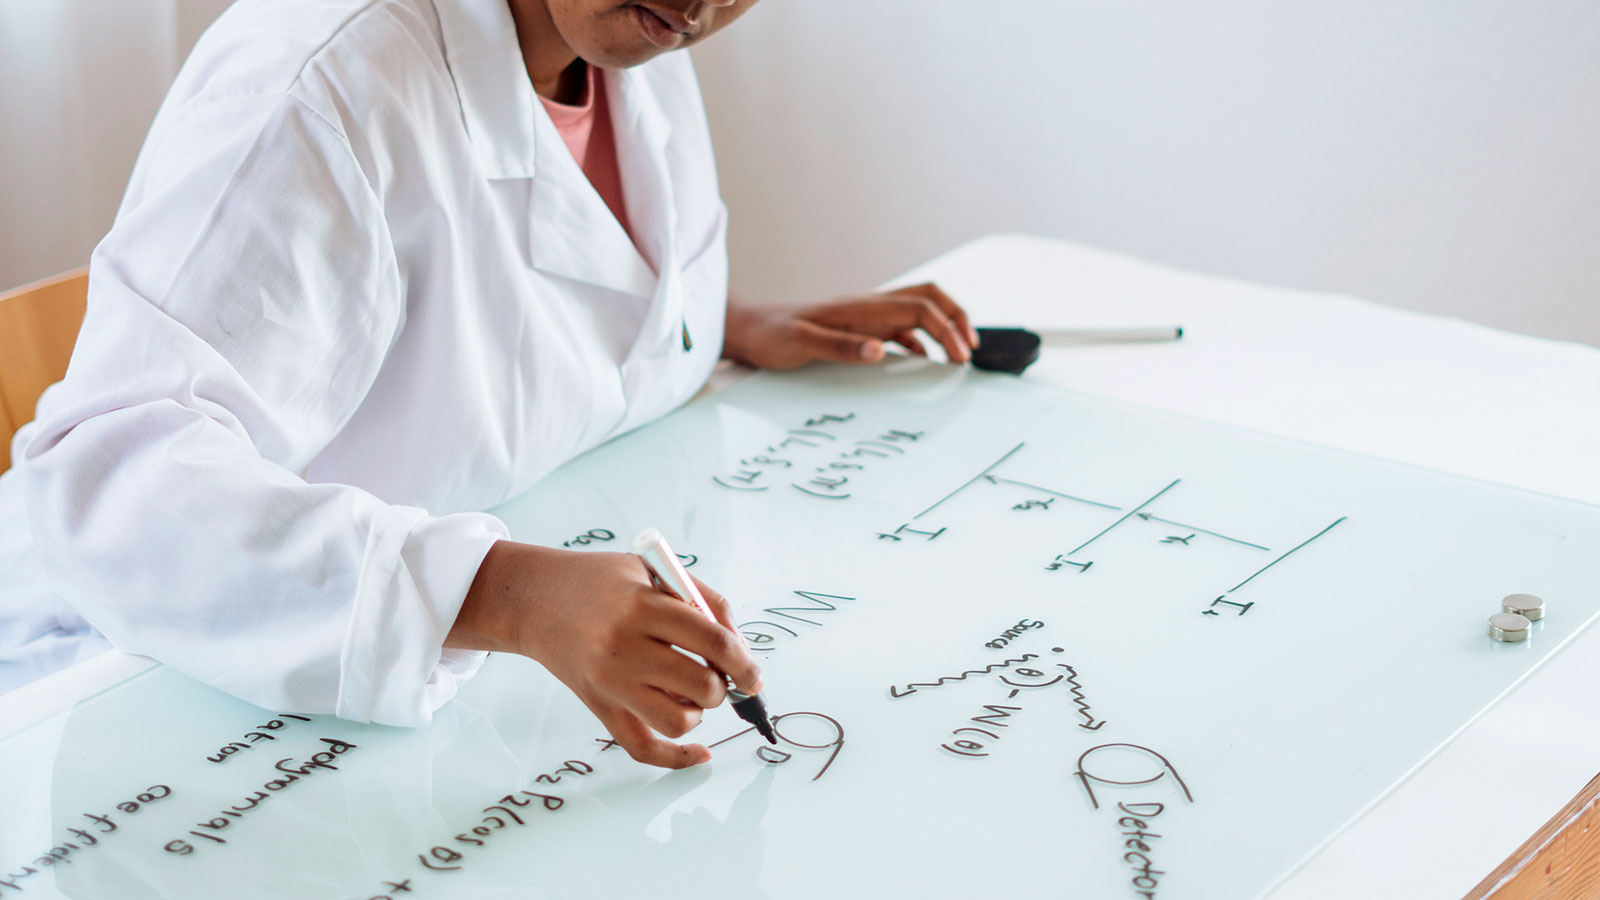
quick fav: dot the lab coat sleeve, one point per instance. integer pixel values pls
(239, 310)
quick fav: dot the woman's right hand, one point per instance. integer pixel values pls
(598, 624)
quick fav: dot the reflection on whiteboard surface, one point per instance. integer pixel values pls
(1011, 636)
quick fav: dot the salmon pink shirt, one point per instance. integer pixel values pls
(586, 129)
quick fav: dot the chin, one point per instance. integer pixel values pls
(620, 58)
(610, 40)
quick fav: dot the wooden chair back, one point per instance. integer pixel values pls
(38, 326)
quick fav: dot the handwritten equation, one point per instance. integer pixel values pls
(822, 459)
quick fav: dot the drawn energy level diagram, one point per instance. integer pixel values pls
(1012, 637)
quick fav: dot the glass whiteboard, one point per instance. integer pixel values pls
(1018, 639)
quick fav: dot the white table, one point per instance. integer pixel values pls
(1332, 370)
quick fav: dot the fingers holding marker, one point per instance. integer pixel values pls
(683, 626)
(598, 622)
(673, 718)
(634, 736)
(720, 607)
(723, 610)
(675, 673)
(702, 634)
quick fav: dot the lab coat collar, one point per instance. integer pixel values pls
(643, 132)
(497, 99)
(572, 232)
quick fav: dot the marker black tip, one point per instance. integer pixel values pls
(754, 711)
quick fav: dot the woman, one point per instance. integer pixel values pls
(381, 264)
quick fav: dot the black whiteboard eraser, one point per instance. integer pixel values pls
(1006, 349)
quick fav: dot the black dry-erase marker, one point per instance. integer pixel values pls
(670, 576)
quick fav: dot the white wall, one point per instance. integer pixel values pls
(80, 81)
(1442, 155)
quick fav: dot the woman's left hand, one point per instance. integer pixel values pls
(847, 330)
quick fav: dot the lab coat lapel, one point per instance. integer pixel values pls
(655, 366)
(573, 233)
(642, 132)
(497, 100)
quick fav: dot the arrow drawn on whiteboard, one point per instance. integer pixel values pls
(995, 479)
(1151, 517)
(1089, 722)
(974, 480)
(1125, 518)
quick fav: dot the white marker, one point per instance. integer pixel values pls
(671, 577)
(1111, 335)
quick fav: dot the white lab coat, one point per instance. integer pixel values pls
(358, 290)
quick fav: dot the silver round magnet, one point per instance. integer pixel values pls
(1509, 627)
(1526, 605)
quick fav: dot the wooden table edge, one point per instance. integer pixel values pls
(1560, 862)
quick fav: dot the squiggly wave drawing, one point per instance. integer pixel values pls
(897, 691)
(1088, 722)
